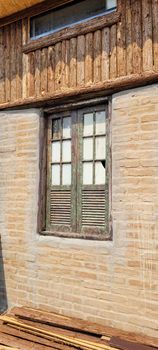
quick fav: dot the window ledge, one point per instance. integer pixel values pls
(100, 237)
(83, 28)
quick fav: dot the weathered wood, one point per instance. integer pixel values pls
(155, 33)
(63, 63)
(147, 35)
(51, 69)
(74, 31)
(18, 60)
(73, 62)
(105, 54)
(7, 67)
(89, 58)
(25, 59)
(123, 344)
(128, 31)
(113, 52)
(97, 56)
(101, 89)
(13, 62)
(80, 60)
(137, 36)
(44, 71)
(38, 72)
(58, 66)
(121, 44)
(31, 74)
(2, 73)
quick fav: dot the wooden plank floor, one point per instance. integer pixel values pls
(26, 329)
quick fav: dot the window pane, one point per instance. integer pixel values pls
(88, 124)
(56, 175)
(66, 151)
(99, 173)
(88, 149)
(88, 173)
(68, 15)
(100, 144)
(56, 152)
(56, 129)
(66, 127)
(66, 174)
(111, 4)
(100, 123)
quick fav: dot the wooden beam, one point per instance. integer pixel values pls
(33, 10)
(90, 91)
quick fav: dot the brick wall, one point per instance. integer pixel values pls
(113, 283)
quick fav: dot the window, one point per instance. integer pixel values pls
(78, 173)
(67, 15)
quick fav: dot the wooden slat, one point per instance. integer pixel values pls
(105, 54)
(137, 36)
(73, 62)
(80, 60)
(31, 74)
(60, 207)
(33, 339)
(2, 64)
(7, 63)
(97, 56)
(58, 66)
(25, 60)
(121, 43)
(155, 33)
(63, 64)
(147, 35)
(51, 69)
(123, 344)
(113, 52)
(78, 325)
(18, 60)
(89, 58)
(44, 71)
(93, 208)
(67, 64)
(38, 72)
(13, 61)
(129, 50)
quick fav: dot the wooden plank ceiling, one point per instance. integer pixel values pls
(8, 7)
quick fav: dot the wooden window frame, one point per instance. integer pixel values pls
(91, 25)
(44, 191)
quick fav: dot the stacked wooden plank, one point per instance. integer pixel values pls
(27, 329)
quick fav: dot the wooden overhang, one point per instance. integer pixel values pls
(9, 7)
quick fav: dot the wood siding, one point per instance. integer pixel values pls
(120, 50)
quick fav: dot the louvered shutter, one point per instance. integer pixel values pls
(61, 177)
(93, 191)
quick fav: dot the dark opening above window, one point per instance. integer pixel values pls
(67, 15)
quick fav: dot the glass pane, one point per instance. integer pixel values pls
(88, 173)
(99, 173)
(56, 129)
(66, 174)
(111, 4)
(66, 151)
(100, 144)
(100, 123)
(88, 149)
(88, 124)
(66, 127)
(56, 152)
(56, 175)
(67, 15)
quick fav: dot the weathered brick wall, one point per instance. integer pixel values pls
(114, 283)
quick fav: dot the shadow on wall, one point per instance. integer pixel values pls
(3, 294)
